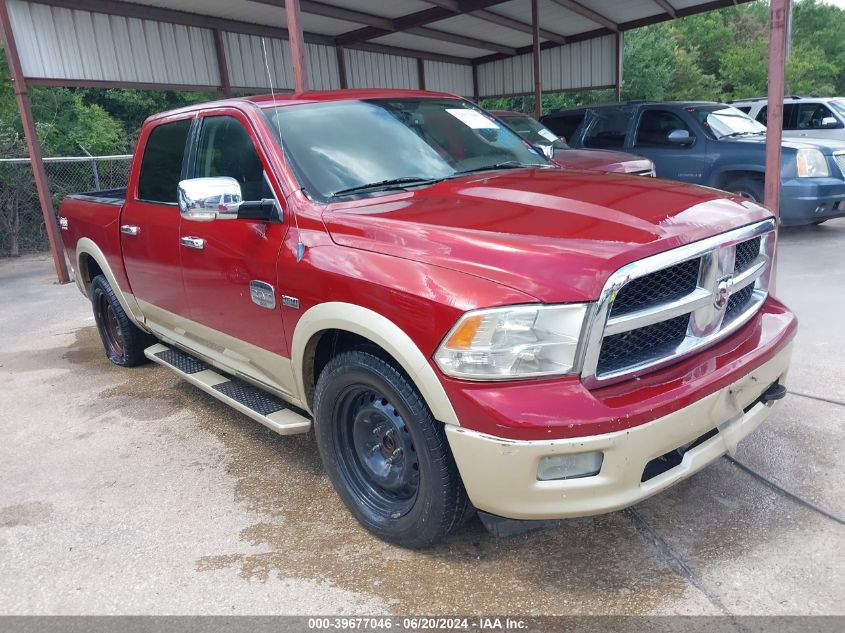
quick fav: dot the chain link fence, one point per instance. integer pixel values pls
(21, 222)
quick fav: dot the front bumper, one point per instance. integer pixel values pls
(809, 200)
(500, 474)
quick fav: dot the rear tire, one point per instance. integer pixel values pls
(386, 456)
(748, 188)
(123, 341)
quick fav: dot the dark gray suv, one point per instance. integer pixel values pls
(716, 145)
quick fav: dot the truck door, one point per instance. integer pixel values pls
(149, 224)
(669, 141)
(229, 265)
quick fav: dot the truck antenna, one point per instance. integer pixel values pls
(300, 247)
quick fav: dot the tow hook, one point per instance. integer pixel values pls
(775, 392)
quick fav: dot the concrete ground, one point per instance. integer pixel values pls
(131, 492)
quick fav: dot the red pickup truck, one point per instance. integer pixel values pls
(464, 324)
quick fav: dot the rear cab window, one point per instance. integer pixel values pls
(161, 165)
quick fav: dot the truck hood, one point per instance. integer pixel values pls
(601, 160)
(791, 143)
(553, 234)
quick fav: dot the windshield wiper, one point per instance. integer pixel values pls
(508, 164)
(733, 134)
(391, 184)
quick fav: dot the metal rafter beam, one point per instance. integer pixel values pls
(413, 20)
(335, 12)
(454, 38)
(132, 10)
(497, 18)
(587, 12)
(624, 26)
(668, 8)
(516, 25)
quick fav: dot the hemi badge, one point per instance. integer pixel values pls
(262, 294)
(291, 302)
(63, 223)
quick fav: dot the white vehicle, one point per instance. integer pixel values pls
(818, 117)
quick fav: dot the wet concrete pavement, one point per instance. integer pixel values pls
(127, 491)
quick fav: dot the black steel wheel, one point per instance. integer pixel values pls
(123, 341)
(386, 456)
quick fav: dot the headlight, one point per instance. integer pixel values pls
(513, 342)
(811, 163)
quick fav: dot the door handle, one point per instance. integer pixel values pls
(129, 229)
(193, 242)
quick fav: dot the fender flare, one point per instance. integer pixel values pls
(336, 315)
(716, 174)
(86, 246)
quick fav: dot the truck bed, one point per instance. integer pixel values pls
(106, 196)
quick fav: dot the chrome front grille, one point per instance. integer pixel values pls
(839, 157)
(666, 307)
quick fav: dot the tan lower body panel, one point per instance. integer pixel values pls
(500, 475)
(266, 370)
(284, 422)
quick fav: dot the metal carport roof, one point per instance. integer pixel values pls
(474, 48)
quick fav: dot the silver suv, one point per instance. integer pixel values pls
(818, 117)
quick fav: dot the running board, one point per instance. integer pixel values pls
(271, 411)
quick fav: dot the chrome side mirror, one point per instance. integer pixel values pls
(829, 122)
(680, 137)
(206, 199)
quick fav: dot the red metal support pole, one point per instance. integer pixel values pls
(777, 82)
(297, 45)
(778, 34)
(538, 80)
(33, 146)
(222, 65)
(619, 58)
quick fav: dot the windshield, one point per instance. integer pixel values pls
(339, 147)
(533, 131)
(839, 106)
(727, 121)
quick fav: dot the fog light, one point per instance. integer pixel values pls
(570, 466)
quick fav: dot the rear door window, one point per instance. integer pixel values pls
(655, 127)
(161, 166)
(607, 130)
(790, 116)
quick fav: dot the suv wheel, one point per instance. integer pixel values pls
(748, 188)
(124, 342)
(385, 454)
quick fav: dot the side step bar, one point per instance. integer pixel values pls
(271, 411)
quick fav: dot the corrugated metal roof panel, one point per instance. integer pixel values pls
(420, 43)
(469, 26)
(625, 11)
(392, 9)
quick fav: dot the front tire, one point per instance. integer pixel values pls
(386, 456)
(747, 188)
(123, 340)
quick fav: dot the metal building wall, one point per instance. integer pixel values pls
(247, 69)
(60, 43)
(365, 69)
(446, 77)
(579, 66)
